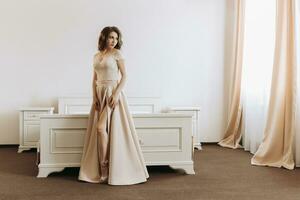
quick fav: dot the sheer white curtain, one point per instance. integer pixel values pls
(259, 41)
(297, 136)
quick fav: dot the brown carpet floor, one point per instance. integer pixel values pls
(220, 174)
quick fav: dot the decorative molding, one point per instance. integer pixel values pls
(54, 149)
(135, 104)
(156, 129)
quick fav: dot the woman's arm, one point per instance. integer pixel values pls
(94, 86)
(121, 84)
(95, 98)
(115, 97)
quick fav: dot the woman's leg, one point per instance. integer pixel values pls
(103, 142)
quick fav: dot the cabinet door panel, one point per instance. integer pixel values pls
(31, 132)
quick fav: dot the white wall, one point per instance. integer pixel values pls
(174, 49)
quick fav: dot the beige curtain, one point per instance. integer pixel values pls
(277, 147)
(233, 132)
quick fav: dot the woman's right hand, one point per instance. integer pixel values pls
(96, 103)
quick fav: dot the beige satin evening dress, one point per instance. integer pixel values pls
(124, 160)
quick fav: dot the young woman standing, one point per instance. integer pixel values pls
(111, 153)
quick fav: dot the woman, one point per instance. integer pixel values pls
(111, 152)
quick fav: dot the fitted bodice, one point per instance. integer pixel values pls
(106, 66)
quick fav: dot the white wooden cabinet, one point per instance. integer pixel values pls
(30, 126)
(195, 111)
(165, 138)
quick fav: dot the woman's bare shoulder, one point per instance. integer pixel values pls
(97, 53)
(117, 51)
(118, 54)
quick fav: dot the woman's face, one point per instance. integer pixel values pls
(112, 40)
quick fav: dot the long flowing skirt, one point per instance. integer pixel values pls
(126, 163)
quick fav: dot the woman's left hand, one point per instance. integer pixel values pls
(113, 100)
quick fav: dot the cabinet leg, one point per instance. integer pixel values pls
(198, 146)
(21, 149)
(188, 169)
(45, 171)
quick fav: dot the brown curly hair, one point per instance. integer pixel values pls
(104, 35)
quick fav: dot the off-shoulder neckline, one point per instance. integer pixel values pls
(111, 53)
(100, 57)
